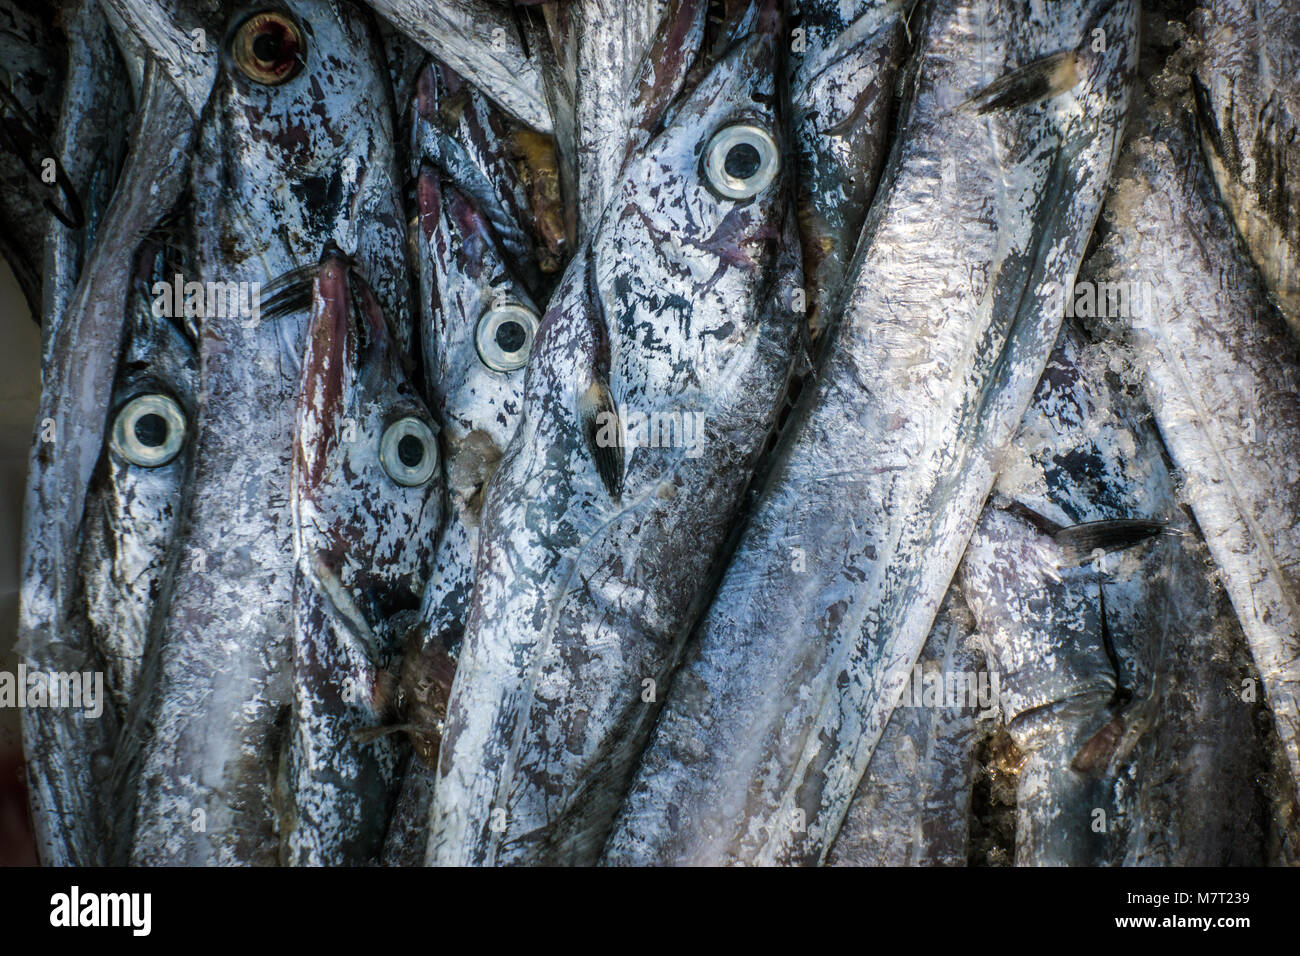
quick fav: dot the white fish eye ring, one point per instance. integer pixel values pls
(149, 430)
(741, 161)
(504, 337)
(408, 451)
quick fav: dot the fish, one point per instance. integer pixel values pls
(473, 303)
(509, 171)
(1221, 375)
(180, 35)
(89, 144)
(367, 500)
(913, 806)
(480, 40)
(844, 63)
(301, 137)
(136, 495)
(67, 752)
(604, 51)
(886, 460)
(598, 543)
(1246, 83)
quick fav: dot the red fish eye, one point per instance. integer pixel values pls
(268, 48)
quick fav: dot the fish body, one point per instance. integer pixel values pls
(843, 73)
(67, 753)
(1222, 380)
(596, 552)
(367, 501)
(913, 806)
(885, 463)
(303, 141)
(1247, 84)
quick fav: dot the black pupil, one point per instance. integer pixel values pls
(151, 430)
(410, 450)
(742, 161)
(266, 47)
(510, 336)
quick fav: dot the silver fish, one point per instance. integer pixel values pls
(477, 39)
(136, 495)
(1222, 378)
(1247, 85)
(304, 141)
(913, 806)
(80, 363)
(987, 200)
(367, 500)
(182, 37)
(843, 68)
(599, 542)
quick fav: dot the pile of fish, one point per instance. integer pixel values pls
(632, 432)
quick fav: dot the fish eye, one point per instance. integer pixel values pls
(409, 451)
(268, 48)
(741, 161)
(504, 337)
(149, 430)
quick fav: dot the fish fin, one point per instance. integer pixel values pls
(1081, 540)
(289, 292)
(1042, 523)
(603, 432)
(1037, 81)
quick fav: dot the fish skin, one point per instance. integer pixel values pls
(131, 510)
(65, 751)
(90, 143)
(477, 39)
(316, 157)
(605, 50)
(164, 28)
(459, 130)
(584, 588)
(362, 535)
(842, 78)
(791, 678)
(913, 806)
(1248, 92)
(464, 269)
(1078, 458)
(1220, 368)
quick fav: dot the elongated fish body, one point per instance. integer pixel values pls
(843, 71)
(1222, 378)
(471, 301)
(66, 749)
(310, 152)
(597, 551)
(367, 499)
(479, 39)
(913, 806)
(1064, 673)
(884, 466)
(510, 172)
(135, 498)
(1248, 92)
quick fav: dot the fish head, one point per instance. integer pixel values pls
(478, 332)
(367, 474)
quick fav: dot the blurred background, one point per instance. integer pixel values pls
(20, 384)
